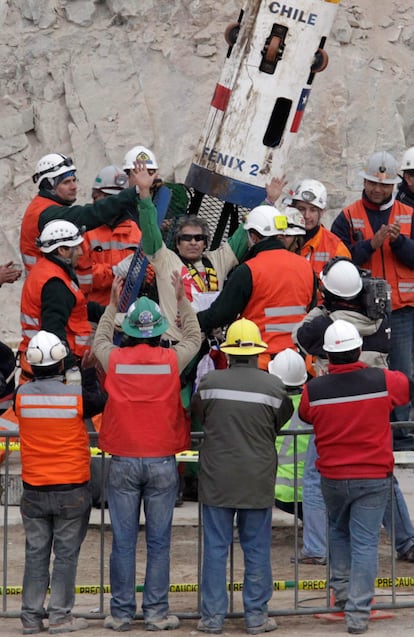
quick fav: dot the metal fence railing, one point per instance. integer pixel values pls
(396, 587)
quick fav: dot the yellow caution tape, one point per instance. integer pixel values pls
(278, 585)
(183, 456)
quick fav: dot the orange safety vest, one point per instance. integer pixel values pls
(29, 230)
(322, 247)
(383, 263)
(283, 284)
(143, 416)
(102, 248)
(54, 442)
(78, 329)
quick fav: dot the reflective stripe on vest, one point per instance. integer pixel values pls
(241, 396)
(142, 369)
(348, 399)
(285, 311)
(28, 260)
(30, 320)
(321, 256)
(36, 407)
(84, 279)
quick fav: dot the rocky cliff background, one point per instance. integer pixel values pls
(92, 78)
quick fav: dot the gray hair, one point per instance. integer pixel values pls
(195, 222)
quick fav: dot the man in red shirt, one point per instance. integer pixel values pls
(351, 419)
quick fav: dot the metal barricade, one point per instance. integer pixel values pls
(298, 587)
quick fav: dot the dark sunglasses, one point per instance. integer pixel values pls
(190, 237)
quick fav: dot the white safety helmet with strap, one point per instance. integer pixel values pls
(45, 349)
(295, 222)
(51, 166)
(382, 168)
(290, 367)
(59, 233)
(266, 220)
(341, 278)
(341, 336)
(140, 153)
(311, 191)
(408, 159)
(111, 180)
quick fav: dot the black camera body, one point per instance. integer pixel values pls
(375, 296)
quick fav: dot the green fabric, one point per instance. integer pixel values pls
(151, 240)
(286, 469)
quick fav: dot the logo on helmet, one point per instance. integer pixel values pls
(143, 156)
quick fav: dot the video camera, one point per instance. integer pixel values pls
(375, 296)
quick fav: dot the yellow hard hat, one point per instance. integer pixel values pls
(243, 339)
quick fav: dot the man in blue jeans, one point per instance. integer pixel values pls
(143, 427)
(241, 409)
(350, 409)
(344, 293)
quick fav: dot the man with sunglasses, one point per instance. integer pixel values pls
(56, 178)
(203, 271)
(379, 232)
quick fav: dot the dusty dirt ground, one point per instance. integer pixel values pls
(184, 560)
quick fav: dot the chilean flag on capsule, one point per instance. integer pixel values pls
(303, 100)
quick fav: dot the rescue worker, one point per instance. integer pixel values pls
(290, 367)
(51, 298)
(379, 232)
(56, 178)
(238, 464)
(107, 250)
(343, 298)
(56, 500)
(143, 427)
(405, 189)
(319, 244)
(349, 409)
(274, 287)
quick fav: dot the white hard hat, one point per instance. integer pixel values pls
(341, 336)
(45, 349)
(311, 191)
(111, 180)
(59, 233)
(52, 165)
(341, 278)
(266, 220)
(290, 367)
(296, 222)
(408, 159)
(140, 153)
(382, 168)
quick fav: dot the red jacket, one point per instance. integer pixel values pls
(349, 409)
(143, 416)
